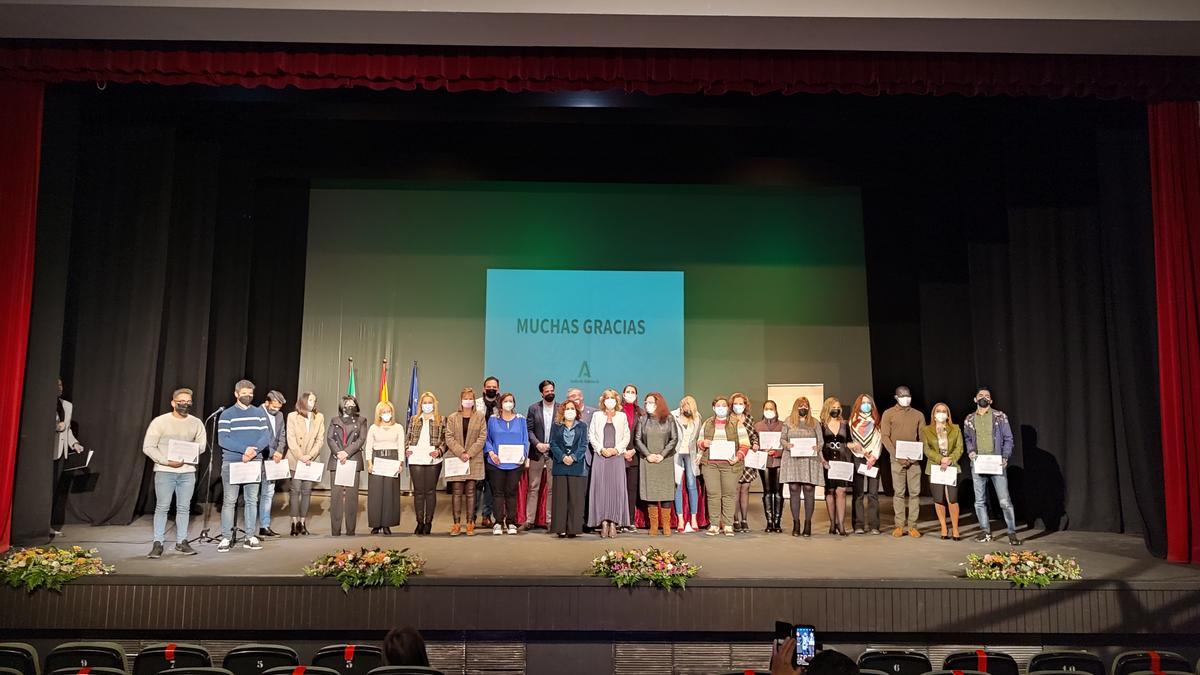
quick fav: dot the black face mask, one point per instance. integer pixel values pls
(183, 408)
(349, 410)
(984, 402)
(687, 413)
(803, 412)
(548, 398)
(835, 413)
(245, 400)
(490, 393)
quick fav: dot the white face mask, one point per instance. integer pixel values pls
(569, 414)
(610, 403)
(769, 414)
(940, 416)
(904, 401)
(651, 407)
(427, 408)
(508, 406)
(386, 417)
(630, 398)
(721, 411)
(738, 408)
(468, 403)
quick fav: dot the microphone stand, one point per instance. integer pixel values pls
(204, 537)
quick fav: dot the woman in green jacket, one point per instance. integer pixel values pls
(943, 443)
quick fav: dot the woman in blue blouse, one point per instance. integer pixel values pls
(507, 428)
(569, 447)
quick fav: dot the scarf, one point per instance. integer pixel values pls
(863, 428)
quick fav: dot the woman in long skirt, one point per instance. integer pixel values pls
(608, 432)
(385, 440)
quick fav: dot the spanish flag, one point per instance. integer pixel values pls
(383, 388)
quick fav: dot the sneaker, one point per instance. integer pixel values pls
(55, 533)
(984, 537)
(914, 533)
(875, 530)
(223, 546)
(728, 531)
(712, 531)
(859, 530)
(898, 532)
(512, 529)
(455, 529)
(155, 550)
(1013, 540)
(470, 529)
(185, 548)
(252, 544)
(497, 529)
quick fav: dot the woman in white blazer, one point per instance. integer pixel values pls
(64, 443)
(609, 435)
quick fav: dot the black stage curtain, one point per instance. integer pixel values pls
(161, 293)
(1032, 274)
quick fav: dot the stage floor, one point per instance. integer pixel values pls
(753, 556)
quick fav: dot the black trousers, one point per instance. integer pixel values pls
(424, 480)
(568, 513)
(62, 488)
(504, 493)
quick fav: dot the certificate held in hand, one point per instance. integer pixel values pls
(804, 447)
(989, 465)
(420, 454)
(909, 450)
(456, 467)
(512, 454)
(872, 472)
(756, 460)
(241, 473)
(346, 474)
(841, 470)
(187, 452)
(277, 470)
(944, 475)
(722, 450)
(769, 440)
(388, 468)
(311, 471)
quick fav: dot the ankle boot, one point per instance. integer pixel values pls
(807, 529)
(293, 532)
(652, 518)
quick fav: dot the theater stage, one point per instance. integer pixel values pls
(853, 586)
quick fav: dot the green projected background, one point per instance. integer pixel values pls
(774, 280)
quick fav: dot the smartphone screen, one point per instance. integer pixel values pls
(806, 644)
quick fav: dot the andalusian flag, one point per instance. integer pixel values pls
(351, 389)
(383, 389)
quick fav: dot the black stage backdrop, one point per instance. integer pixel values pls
(1008, 244)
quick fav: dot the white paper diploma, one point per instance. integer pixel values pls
(909, 450)
(388, 468)
(841, 470)
(241, 473)
(183, 451)
(277, 470)
(312, 471)
(722, 450)
(872, 472)
(944, 476)
(456, 467)
(756, 459)
(420, 454)
(512, 454)
(804, 447)
(989, 465)
(346, 474)
(769, 440)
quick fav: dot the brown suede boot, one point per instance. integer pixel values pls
(652, 516)
(666, 521)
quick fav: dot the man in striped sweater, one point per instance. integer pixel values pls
(244, 434)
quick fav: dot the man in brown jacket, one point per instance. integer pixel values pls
(902, 422)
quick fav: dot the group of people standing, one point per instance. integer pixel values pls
(601, 464)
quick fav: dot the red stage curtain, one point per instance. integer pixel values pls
(653, 71)
(1175, 182)
(20, 153)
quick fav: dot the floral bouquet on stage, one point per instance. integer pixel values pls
(51, 567)
(1022, 568)
(367, 567)
(628, 567)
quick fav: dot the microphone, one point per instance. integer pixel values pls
(218, 411)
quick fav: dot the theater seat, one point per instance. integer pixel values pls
(868, 671)
(254, 659)
(1078, 661)
(984, 661)
(409, 670)
(87, 670)
(196, 670)
(86, 654)
(955, 672)
(1162, 672)
(1129, 663)
(349, 659)
(300, 670)
(21, 657)
(171, 656)
(895, 662)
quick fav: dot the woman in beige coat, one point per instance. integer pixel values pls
(464, 435)
(305, 439)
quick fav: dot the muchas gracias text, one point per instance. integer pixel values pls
(584, 326)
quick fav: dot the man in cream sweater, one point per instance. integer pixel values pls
(172, 477)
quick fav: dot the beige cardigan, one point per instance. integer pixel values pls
(301, 442)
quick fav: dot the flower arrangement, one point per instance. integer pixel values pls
(367, 567)
(50, 567)
(1022, 568)
(628, 567)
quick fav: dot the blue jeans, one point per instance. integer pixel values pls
(1000, 483)
(689, 478)
(180, 486)
(483, 498)
(266, 493)
(229, 505)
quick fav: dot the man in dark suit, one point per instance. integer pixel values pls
(539, 419)
(266, 493)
